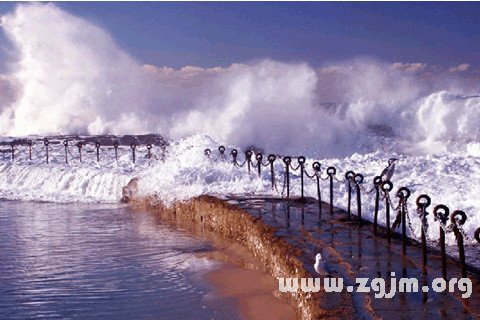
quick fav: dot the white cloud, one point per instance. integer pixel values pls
(460, 68)
(409, 67)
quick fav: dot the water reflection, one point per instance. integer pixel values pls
(71, 261)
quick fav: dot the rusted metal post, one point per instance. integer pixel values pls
(404, 193)
(149, 151)
(46, 143)
(358, 179)
(97, 146)
(221, 150)
(441, 212)
(29, 142)
(79, 146)
(316, 168)
(377, 181)
(271, 160)
(349, 177)
(65, 144)
(477, 235)
(287, 161)
(387, 186)
(259, 158)
(331, 171)
(423, 202)
(234, 154)
(115, 147)
(301, 162)
(248, 158)
(133, 146)
(12, 146)
(458, 218)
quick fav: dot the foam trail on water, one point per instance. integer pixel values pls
(67, 75)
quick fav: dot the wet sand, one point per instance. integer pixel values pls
(242, 278)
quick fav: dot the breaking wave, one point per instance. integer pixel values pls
(67, 75)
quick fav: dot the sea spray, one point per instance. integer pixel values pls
(68, 75)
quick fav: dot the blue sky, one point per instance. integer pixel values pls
(210, 34)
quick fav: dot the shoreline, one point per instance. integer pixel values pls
(226, 223)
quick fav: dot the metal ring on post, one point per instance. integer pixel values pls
(331, 171)
(387, 186)
(441, 212)
(65, 143)
(301, 160)
(46, 142)
(377, 181)
(259, 157)
(477, 235)
(221, 149)
(97, 144)
(115, 143)
(207, 152)
(149, 146)
(133, 146)
(271, 158)
(29, 142)
(458, 221)
(234, 153)
(316, 166)
(349, 175)
(358, 178)
(424, 201)
(287, 160)
(403, 192)
(248, 154)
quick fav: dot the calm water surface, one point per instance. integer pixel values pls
(100, 261)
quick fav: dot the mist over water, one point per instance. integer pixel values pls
(67, 75)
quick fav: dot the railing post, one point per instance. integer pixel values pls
(423, 202)
(259, 158)
(12, 146)
(349, 177)
(387, 186)
(149, 151)
(115, 147)
(29, 142)
(316, 168)
(441, 212)
(248, 158)
(287, 161)
(457, 222)
(221, 150)
(358, 179)
(377, 182)
(301, 162)
(331, 171)
(65, 144)
(133, 146)
(234, 154)
(46, 143)
(79, 146)
(271, 160)
(97, 146)
(404, 193)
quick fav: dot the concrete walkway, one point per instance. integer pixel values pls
(352, 251)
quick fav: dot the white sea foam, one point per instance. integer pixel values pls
(67, 75)
(186, 173)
